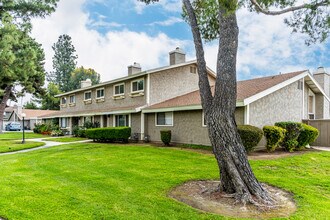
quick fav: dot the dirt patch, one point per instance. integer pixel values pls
(196, 194)
(278, 153)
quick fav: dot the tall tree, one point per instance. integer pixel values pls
(211, 19)
(31, 105)
(49, 101)
(81, 74)
(64, 63)
(21, 63)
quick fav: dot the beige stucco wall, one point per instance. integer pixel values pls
(283, 105)
(108, 101)
(172, 83)
(187, 127)
(136, 123)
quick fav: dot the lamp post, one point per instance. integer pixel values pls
(23, 115)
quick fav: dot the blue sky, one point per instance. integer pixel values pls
(109, 35)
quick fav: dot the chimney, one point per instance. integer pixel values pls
(18, 109)
(177, 56)
(86, 83)
(135, 68)
(320, 70)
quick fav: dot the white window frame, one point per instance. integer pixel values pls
(311, 93)
(114, 89)
(74, 99)
(114, 119)
(66, 122)
(99, 89)
(157, 125)
(203, 120)
(85, 95)
(66, 100)
(137, 80)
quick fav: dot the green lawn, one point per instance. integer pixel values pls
(65, 139)
(103, 181)
(11, 145)
(19, 135)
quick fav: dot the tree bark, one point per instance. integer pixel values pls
(3, 104)
(236, 176)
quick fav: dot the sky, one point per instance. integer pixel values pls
(110, 35)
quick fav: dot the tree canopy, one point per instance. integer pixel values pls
(81, 74)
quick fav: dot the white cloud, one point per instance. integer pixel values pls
(108, 54)
(167, 5)
(170, 21)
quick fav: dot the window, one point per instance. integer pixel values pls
(72, 99)
(63, 100)
(64, 122)
(100, 93)
(311, 105)
(121, 120)
(193, 69)
(138, 85)
(204, 124)
(88, 95)
(300, 85)
(164, 119)
(119, 89)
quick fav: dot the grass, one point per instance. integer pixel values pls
(19, 135)
(195, 146)
(103, 181)
(10, 146)
(65, 139)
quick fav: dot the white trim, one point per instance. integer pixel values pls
(142, 126)
(114, 89)
(148, 89)
(319, 87)
(274, 88)
(203, 120)
(157, 125)
(89, 91)
(247, 114)
(303, 99)
(101, 97)
(137, 80)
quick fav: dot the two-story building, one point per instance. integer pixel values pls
(168, 98)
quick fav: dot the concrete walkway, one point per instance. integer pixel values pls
(321, 148)
(48, 144)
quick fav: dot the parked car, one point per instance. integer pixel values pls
(13, 126)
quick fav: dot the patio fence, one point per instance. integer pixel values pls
(323, 125)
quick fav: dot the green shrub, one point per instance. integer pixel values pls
(109, 134)
(79, 131)
(274, 136)
(250, 136)
(293, 130)
(307, 136)
(41, 128)
(57, 133)
(165, 136)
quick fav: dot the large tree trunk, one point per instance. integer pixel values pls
(236, 176)
(3, 104)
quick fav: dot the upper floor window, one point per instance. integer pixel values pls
(138, 85)
(100, 93)
(72, 99)
(164, 119)
(311, 105)
(119, 89)
(88, 96)
(63, 100)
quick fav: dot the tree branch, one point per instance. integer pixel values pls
(204, 85)
(259, 8)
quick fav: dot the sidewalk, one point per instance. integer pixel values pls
(321, 148)
(48, 144)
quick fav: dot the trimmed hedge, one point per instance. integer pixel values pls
(109, 134)
(250, 136)
(307, 136)
(165, 136)
(293, 130)
(274, 136)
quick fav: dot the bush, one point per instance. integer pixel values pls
(293, 130)
(57, 133)
(109, 134)
(274, 136)
(79, 131)
(307, 136)
(165, 136)
(43, 128)
(250, 136)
